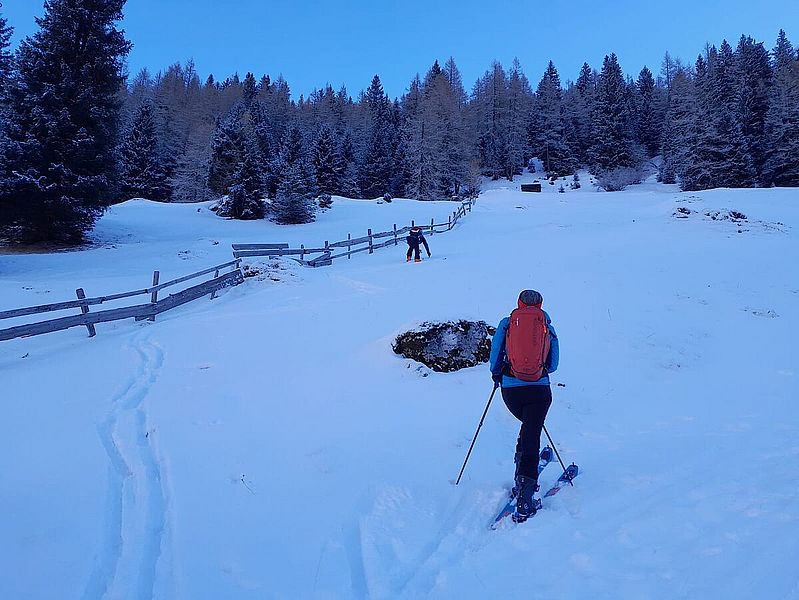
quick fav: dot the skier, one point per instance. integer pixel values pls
(524, 351)
(415, 237)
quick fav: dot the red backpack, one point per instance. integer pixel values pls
(527, 343)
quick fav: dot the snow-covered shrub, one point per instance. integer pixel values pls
(387, 197)
(324, 201)
(446, 347)
(561, 189)
(575, 184)
(616, 180)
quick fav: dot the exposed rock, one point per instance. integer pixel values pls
(446, 347)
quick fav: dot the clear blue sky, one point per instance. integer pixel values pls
(314, 42)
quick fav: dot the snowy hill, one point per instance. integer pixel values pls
(269, 444)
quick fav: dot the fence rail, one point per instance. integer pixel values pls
(325, 254)
(148, 310)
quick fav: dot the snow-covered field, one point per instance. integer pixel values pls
(268, 444)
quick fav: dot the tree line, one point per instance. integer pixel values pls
(76, 134)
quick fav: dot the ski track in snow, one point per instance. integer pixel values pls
(137, 501)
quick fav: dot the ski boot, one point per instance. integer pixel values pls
(526, 504)
(417, 260)
(407, 259)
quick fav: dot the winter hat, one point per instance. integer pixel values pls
(531, 298)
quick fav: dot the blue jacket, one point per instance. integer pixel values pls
(499, 357)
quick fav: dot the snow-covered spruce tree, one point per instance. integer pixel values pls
(6, 58)
(346, 167)
(782, 122)
(647, 122)
(227, 151)
(64, 122)
(753, 80)
(721, 151)
(613, 145)
(375, 168)
(245, 196)
(326, 162)
(142, 175)
(293, 204)
(578, 106)
(549, 141)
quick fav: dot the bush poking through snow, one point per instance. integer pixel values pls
(447, 347)
(324, 201)
(616, 180)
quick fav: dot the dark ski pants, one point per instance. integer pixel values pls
(414, 248)
(529, 404)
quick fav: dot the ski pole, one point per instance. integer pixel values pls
(474, 439)
(555, 448)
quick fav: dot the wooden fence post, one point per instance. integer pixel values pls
(349, 246)
(395, 234)
(216, 274)
(371, 249)
(449, 223)
(84, 309)
(413, 223)
(432, 222)
(302, 251)
(327, 249)
(154, 296)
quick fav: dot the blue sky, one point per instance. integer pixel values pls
(314, 42)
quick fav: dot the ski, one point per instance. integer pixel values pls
(543, 460)
(565, 479)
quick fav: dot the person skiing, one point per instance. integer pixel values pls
(524, 351)
(415, 237)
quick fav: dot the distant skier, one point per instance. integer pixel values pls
(415, 237)
(523, 352)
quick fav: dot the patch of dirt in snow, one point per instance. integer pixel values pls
(733, 217)
(762, 312)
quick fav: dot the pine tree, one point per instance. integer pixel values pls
(679, 127)
(60, 151)
(346, 167)
(782, 123)
(753, 80)
(613, 144)
(376, 165)
(142, 175)
(249, 88)
(549, 141)
(5, 56)
(646, 120)
(227, 151)
(245, 196)
(293, 204)
(325, 162)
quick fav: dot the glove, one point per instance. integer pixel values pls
(429, 255)
(497, 377)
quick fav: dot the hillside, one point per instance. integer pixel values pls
(269, 444)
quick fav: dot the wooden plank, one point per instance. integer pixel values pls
(84, 309)
(350, 242)
(371, 249)
(349, 247)
(104, 316)
(194, 275)
(258, 246)
(277, 252)
(364, 249)
(231, 279)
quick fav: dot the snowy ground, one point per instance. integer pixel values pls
(268, 444)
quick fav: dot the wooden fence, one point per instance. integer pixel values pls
(325, 255)
(139, 312)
